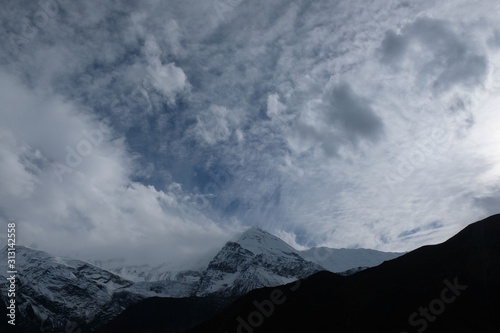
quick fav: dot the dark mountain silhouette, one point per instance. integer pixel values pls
(159, 314)
(449, 287)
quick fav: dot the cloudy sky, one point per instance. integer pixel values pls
(157, 130)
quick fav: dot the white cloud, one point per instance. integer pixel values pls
(167, 78)
(15, 179)
(217, 124)
(307, 105)
(94, 207)
(290, 239)
(274, 107)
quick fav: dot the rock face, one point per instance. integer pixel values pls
(257, 259)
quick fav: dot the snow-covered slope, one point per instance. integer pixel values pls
(342, 260)
(52, 291)
(188, 272)
(149, 273)
(257, 259)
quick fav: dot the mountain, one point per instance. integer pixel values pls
(345, 261)
(449, 287)
(255, 260)
(189, 272)
(53, 291)
(166, 315)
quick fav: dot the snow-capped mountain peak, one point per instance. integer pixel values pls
(256, 259)
(259, 241)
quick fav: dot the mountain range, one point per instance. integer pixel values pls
(258, 283)
(53, 291)
(449, 287)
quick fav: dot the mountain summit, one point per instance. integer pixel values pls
(259, 241)
(255, 260)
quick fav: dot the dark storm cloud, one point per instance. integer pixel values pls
(343, 118)
(354, 114)
(393, 48)
(440, 56)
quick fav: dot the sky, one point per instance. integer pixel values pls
(158, 130)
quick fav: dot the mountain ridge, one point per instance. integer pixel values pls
(255, 259)
(447, 287)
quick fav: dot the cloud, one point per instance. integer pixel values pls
(16, 179)
(341, 117)
(430, 226)
(489, 201)
(354, 114)
(394, 48)
(439, 56)
(93, 205)
(274, 107)
(266, 92)
(216, 125)
(167, 78)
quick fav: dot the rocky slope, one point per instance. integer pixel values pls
(255, 260)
